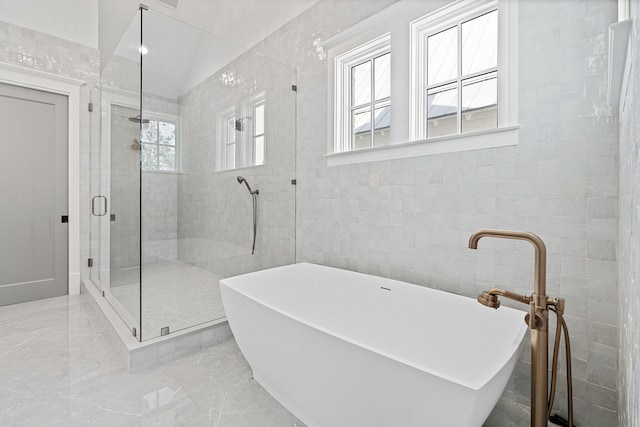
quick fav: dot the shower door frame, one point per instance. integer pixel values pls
(113, 97)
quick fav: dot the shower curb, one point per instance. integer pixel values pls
(137, 356)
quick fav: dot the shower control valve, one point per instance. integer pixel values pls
(534, 318)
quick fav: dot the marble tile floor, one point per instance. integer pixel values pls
(56, 368)
(174, 294)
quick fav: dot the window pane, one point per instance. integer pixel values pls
(259, 150)
(442, 56)
(151, 134)
(382, 117)
(167, 133)
(361, 84)
(149, 157)
(259, 117)
(442, 110)
(480, 43)
(382, 66)
(231, 130)
(231, 156)
(166, 158)
(479, 103)
(361, 128)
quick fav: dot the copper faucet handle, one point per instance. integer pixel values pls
(532, 318)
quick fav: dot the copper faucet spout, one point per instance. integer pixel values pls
(540, 255)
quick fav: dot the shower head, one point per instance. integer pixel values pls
(137, 119)
(240, 123)
(241, 180)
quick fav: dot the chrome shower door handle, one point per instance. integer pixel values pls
(93, 206)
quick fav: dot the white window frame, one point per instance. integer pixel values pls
(344, 63)
(249, 136)
(166, 118)
(244, 140)
(449, 16)
(400, 20)
(223, 138)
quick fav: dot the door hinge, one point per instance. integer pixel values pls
(90, 262)
(90, 107)
(65, 219)
(294, 182)
(294, 88)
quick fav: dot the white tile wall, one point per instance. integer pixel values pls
(215, 217)
(410, 219)
(629, 373)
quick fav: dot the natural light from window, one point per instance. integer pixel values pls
(159, 149)
(371, 102)
(461, 84)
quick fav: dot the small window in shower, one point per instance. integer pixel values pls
(241, 137)
(257, 138)
(159, 144)
(227, 146)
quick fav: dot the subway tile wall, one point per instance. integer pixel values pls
(410, 219)
(629, 372)
(215, 216)
(121, 76)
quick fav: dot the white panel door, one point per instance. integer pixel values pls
(33, 194)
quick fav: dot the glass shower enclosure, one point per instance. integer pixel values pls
(191, 175)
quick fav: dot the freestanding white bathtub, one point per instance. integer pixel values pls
(338, 348)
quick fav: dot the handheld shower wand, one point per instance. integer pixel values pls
(254, 197)
(241, 180)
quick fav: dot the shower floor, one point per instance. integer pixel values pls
(174, 294)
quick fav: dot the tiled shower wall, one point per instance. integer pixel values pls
(159, 189)
(411, 219)
(31, 49)
(629, 373)
(215, 217)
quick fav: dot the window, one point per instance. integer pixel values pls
(452, 78)
(227, 146)
(457, 70)
(241, 141)
(363, 95)
(256, 107)
(159, 143)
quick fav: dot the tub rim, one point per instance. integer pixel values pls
(472, 385)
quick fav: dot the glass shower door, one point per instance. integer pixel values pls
(98, 207)
(121, 124)
(216, 113)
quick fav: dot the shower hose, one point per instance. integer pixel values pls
(561, 327)
(254, 197)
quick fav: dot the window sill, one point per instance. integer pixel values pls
(161, 172)
(494, 138)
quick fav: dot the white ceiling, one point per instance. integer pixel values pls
(180, 55)
(244, 22)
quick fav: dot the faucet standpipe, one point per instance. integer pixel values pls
(536, 318)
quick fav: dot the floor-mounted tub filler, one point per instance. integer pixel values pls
(339, 348)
